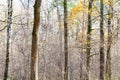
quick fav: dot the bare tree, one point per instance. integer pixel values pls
(9, 23)
(60, 38)
(35, 34)
(88, 47)
(108, 56)
(65, 41)
(101, 41)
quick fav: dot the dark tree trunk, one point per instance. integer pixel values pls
(65, 41)
(9, 23)
(101, 41)
(35, 34)
(88, 48)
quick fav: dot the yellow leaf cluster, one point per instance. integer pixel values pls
(107, 2)
(74, 12)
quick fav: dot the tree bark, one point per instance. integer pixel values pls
(101, 76)
(60, 41)
(9, 23)
(35, 35)
(88, 47)
(108, 57)
(65, 40)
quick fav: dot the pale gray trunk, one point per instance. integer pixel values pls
(60, 41)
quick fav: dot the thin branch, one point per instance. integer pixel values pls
(3, 28)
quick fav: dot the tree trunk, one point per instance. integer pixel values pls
(60, 42)
(101, 76)
(65, 41)
(35, 35)
(88, 47)
(108, 58)
(28, 22)
(9, 23)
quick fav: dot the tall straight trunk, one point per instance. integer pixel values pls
(35, 35)
(81, 51)
(88, 48)
(60, 41)
(108, 58)
(9, 23)
(28, 24)
(101, 76)
(65, 41)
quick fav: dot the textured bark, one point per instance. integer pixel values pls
(101, 76)
(9, 23)
(88, 48)
(65, 41)
(108, 58)
(35, 34)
